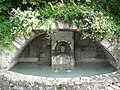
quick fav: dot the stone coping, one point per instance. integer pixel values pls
(17, 76)
(14, 81)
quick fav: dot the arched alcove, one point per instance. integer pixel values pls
(38, 50)
(85, 50)
(39, 57)
(82, 49)
(88, 50)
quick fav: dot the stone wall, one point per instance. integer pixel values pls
(8, 58)
(112, 49)
(38, 50)
(15, 81)
(87, 50)
(63, 38)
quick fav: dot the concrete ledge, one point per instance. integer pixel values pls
(28, 59)
(91, 60)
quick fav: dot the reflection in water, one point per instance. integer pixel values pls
(63, 61)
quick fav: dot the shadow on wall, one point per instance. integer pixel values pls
(87, 50)
(36, 51)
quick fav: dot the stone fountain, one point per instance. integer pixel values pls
(63, 50)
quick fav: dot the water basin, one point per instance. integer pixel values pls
(80, 70)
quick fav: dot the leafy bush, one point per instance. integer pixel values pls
(93, 23)
(92, 20)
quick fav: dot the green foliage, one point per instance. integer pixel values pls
(5, 34)
(24, 21)
(113, 6)
(92, 20)
(93, 23)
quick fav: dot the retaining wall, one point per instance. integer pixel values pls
(15, 81)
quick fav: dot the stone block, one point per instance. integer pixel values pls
(5, 84)
(43, 27)
(118, 64)
(105, 43)
(74, 27)
(28, 59)
(60, 25)
(115, 87)
(17, 88)
(48, 83)
(27, 37)
(4, 64)
(53, 26)
(20, 40)
(108, 88)
(77, 88)
(17, 45)
(32, 34)
(41, 88)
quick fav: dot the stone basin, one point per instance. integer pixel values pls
(10, 80)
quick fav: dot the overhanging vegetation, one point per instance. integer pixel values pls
(92, 20)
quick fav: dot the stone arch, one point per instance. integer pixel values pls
(112, 55)
(38, 50)
(8, 58)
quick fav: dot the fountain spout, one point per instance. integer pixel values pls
(63, 61)
(62, 58)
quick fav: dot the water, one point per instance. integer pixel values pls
(82, 69)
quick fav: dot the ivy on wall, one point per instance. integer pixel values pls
(92, 21)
